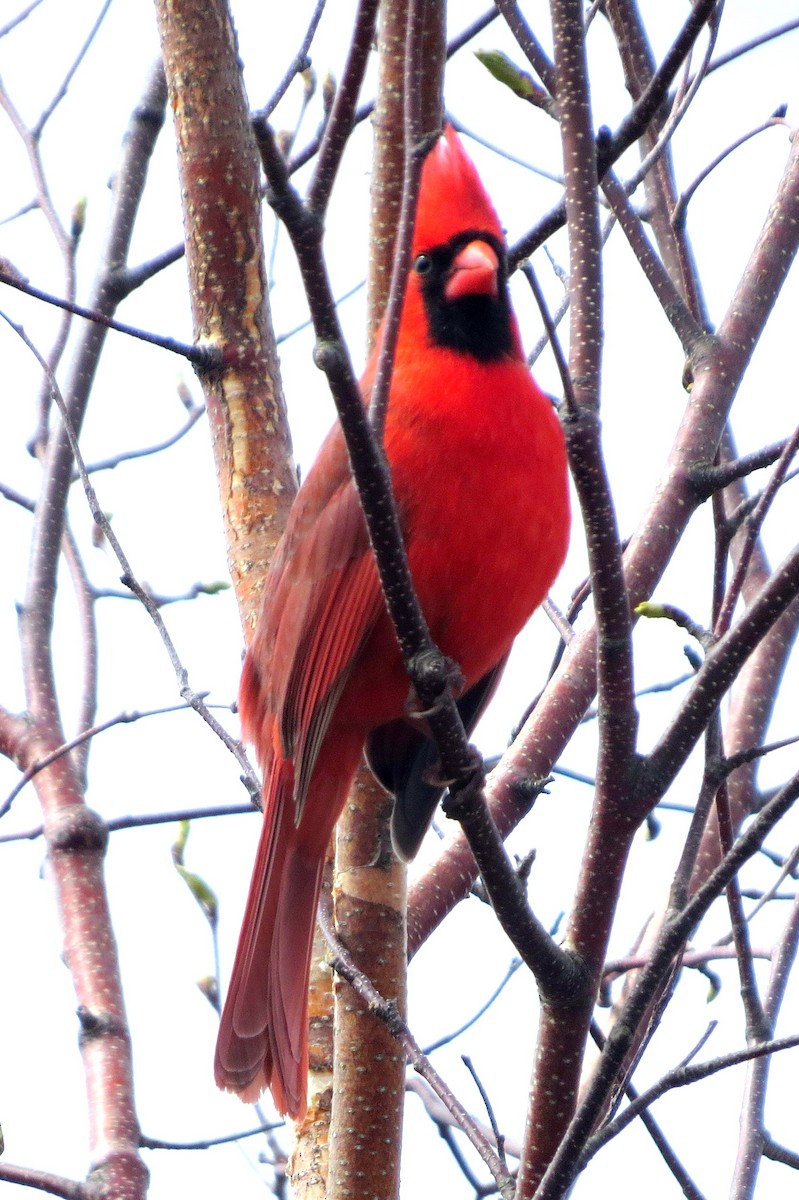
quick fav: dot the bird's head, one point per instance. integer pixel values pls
(459, 261)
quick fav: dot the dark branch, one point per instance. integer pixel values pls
(202, 357)
(631, 129)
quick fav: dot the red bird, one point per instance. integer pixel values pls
(479, 472)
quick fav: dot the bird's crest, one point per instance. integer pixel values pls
(452, 197)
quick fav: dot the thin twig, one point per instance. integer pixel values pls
(385, 1011)
(754, 526)
(675, 931)
(689, 1189)
(128, 578)
(682, 1076)
(760, 39)
(124, 718)
(752, 1128)
(456, 1033)
(202, 357)
(128, 279)
(780, 1154)
(145, 820)
(297, 64)
(149, 1143)
(679, 211)
(47, 113)
(19, 18)
(552, 336)
(114, 460)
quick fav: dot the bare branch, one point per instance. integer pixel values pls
(227, 274)
(631, 129)
(43, 1181)
(47, 113)
(753, 1137)
(194, 699)
(386, 1012)
(200, 356)
(298, 63)
(342, 116)
(675, 931)
(718, 368)
(111, 463)
(682, 1076)
(19, 18)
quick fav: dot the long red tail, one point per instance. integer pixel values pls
(263, 1038)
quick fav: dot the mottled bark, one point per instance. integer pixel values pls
(369, 1073)
(219, 177)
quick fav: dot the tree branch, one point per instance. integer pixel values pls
(230, 307)
(718, 368)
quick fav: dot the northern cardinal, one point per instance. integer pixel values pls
(478, 468)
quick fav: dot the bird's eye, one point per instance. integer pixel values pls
(423, 264)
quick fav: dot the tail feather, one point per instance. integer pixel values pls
(263, 1036)
(263, 1033)
(288, 983)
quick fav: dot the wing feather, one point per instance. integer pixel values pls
(322, 598)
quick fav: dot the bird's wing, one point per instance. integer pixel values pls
(322, 599)
(405, 760)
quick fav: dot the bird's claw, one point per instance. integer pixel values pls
(433, 671)
(475, 769)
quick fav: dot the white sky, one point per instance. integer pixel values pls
(165, 514)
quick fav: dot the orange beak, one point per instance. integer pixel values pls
(474, 272)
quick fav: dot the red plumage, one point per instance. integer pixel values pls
(478, 469)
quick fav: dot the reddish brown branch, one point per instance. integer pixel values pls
(387, 1012)
(218, 168)
(76, 837)
(342, 116)
(676, 930)
(44, 1181)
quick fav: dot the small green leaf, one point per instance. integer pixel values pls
(653, 611)
(202, 893)
(520, 83)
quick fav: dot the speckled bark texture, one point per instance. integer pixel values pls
(224, 253)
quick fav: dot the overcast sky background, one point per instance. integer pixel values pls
(166, 516)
